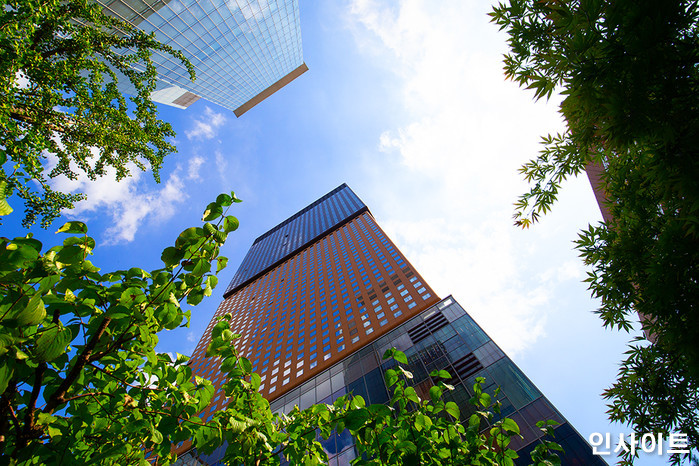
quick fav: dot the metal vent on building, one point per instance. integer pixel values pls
(423, 329)
(463, 369)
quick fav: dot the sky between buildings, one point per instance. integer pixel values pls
(407, 103)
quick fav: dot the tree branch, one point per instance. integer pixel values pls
(57, 398)
(29, 429)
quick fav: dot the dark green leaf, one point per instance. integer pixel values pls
(6, 373)
(357, 418)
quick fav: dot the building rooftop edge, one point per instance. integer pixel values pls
(263, 271)
(343, 186)
(306, 209)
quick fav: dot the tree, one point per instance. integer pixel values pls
(81, 381)
(629, 74)
(61, 112)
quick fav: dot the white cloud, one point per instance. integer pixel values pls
(466, 131)
(193, 167)
(207, 125)
(221, 163)
(129, 202)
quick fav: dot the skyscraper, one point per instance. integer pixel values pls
(321, 296)
(242, 50)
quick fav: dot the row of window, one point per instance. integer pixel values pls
(279, 314)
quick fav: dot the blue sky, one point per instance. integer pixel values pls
(407, 103)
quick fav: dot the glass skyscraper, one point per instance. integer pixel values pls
(242, 50)
(320, 297)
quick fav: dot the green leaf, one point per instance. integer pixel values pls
(195, 296)
(33, 313)
(5, 208)
(510, 425)
(132, 296)
(6, 341)
(70, 255)
(209, 228)
(422, 421)
(400, 357)
(73, 227)
(474, 420)
(357, 402)
(6, 373)
(230, 223)
(357, 418)
(245, 364)
(453, 409)
(224, 200)
(407, 446)
(221, 263)
(435, 393)
(255, 381)
(440, 374)
(188, 237)
(380, 410)
(156, 436)
(212, 212)
(52, 343)
(411, 394)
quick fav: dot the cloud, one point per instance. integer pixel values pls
(454, 161)
(193, 167)
(206, 127)
(129, 202)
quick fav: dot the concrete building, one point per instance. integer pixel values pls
(243, 51)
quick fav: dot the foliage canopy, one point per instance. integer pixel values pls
(61, 112)
(629, 74)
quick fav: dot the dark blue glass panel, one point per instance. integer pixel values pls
(376, 387)
(357, 388)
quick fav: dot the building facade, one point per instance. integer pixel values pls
(242, 50)
(320, 297)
